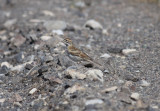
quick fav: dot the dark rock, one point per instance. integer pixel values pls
(115, 50)
(29, 66)
(69, 28)
(3, 70)
(131, 78)
(42, 70)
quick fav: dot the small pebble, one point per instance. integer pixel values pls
(115, 50)
(18, 97)
(74, 73)
(2, 100)
(107, 90)
(10, 23)
(128, 51)
(106, 56)
(45, 38)
(48, 13)
(93, 102)
(93, 24)
(135, 96)
(74, 88)
(94, 74)
(19, 40)
(17, 104)
(33, 91)
(58, 32)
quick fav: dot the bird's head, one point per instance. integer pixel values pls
(67, 41)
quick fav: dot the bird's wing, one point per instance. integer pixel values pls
(73, 50)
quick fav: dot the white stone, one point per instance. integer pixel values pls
(135, 96)
(105, 32)
(73, 89)
(93, 102)
(105, 56)
(6, 64)
(3, 38)
(2, 100)
(36, 46)
(75, 74)
(58, 32)
(128, 51)
(20, 67)
(48, 13)
(95, 74)
(33, 91)
(110, 89)
(45, 38)
(93, 24)
(119, 25)
(144, 83)
(80, 4)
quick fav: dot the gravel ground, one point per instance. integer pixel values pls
(38, 74)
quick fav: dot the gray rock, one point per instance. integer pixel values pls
(55, 25)
(93, 24)
(52, 79)
(48, 57)
(65, 60)
(144, 83)
(54, 41)
(124, 97)
(125, 90)
(130, 77)
(19, 40)
(3, 70)
(19, 57)
(9, 23)
(115, 50)
(38, 104)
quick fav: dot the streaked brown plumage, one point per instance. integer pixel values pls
(77, 52)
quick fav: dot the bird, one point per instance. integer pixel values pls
(76, 53)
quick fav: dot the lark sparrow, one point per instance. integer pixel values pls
(77, 54)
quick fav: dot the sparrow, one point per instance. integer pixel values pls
(76, 53)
